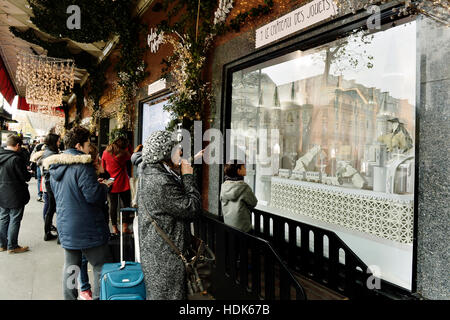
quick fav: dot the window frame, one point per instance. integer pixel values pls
(309, 39)
(151, 100)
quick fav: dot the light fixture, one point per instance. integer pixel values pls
(45, 78)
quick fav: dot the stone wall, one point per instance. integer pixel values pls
(433, 225)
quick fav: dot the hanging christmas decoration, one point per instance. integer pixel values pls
(45, 78)
(222, 11)
(155, 39)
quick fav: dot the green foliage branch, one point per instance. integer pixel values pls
(190, 28)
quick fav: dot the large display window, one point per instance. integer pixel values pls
(328, 135)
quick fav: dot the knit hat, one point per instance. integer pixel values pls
(158, 146)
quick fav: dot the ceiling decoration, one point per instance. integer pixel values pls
(46, 79)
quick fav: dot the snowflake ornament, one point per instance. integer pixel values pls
(222, 11)
(155, 39)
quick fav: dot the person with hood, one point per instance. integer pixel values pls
(80, 201)
(136, 159)
(52, 142)
(173, 201)
(237, 197)
(38, 170)
(14, 194)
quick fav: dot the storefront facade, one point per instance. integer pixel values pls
(341, 128)
(318, 116)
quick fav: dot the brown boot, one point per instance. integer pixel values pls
(19, 250)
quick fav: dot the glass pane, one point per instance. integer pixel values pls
(154, 118)
(342, 114)
(328, 139)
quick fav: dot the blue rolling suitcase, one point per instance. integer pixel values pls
(124, 280)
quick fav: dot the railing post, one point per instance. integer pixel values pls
(266, 225)
(220, 250)
(243, 265)
(256, 269)
(269, 277)
(292, 247)
(257, 223)
(333, 261)
(318, 256)
(304, 260)
(232, 255)
(350, 281)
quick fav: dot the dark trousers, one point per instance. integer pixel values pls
(38, 178)
(83, 278)
(97, 257)
(51, 209)
(9, 227)
(113, 199)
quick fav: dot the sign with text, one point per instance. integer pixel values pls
(303, 17)
(157, 86)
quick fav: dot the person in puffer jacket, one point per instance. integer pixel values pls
(237, 197)
(80, 201)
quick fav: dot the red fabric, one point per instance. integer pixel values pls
(117, 168)
(6, 85)
(8, 91)
(22, 104)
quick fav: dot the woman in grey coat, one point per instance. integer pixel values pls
(172, 201)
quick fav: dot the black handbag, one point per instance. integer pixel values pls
(199, 263)
(199, 270)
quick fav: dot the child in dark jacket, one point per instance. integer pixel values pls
(237, 197)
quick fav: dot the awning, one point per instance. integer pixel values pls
(22, 104)
(8, 91)
(6, 85)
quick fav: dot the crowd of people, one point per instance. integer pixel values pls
(85, 190)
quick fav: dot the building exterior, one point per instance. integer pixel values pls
(355, 122)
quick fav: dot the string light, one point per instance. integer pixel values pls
(45, 79)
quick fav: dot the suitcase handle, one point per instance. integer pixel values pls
(122, 210)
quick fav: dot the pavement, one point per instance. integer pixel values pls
(36, 274)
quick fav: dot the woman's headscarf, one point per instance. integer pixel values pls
(158, 147)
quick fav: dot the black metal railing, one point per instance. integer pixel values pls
(314, 252)
(320, 255)
(247, 267)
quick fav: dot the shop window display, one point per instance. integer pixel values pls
(329, 132)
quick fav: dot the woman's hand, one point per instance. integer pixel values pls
(199, 155)
(186, 167)
(108, 182)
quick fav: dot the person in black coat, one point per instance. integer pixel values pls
(14, 193)
(52, 142)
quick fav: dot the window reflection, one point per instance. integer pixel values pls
(154, 118)
(341, 115)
